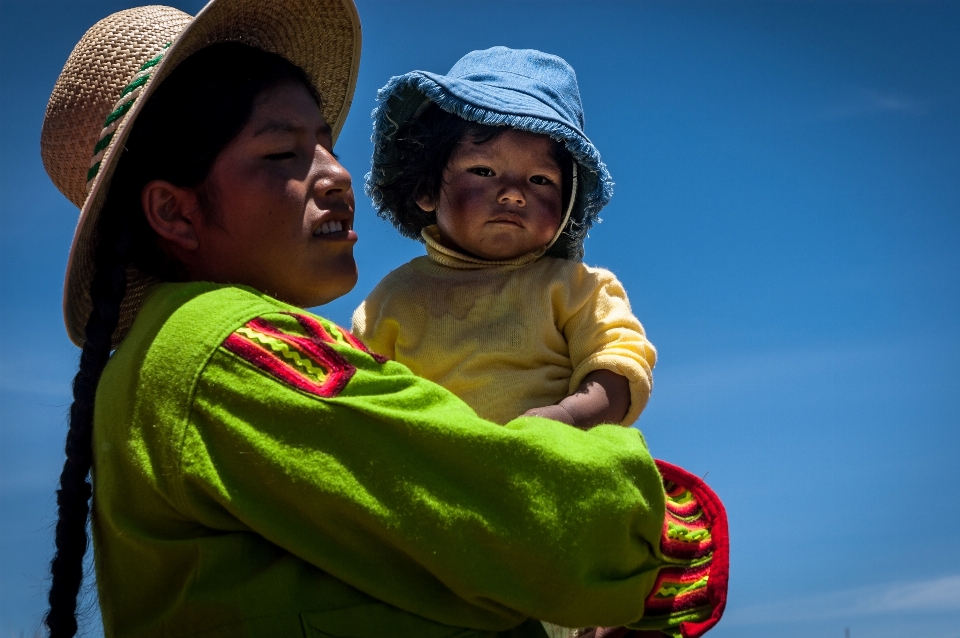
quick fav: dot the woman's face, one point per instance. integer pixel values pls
(284, 206)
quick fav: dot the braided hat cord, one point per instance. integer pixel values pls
(128, 96)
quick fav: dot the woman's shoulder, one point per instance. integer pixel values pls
(180, 326)
(152, 376)
(180, 329)
(179, 317)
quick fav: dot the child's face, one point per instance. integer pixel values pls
(500, 199)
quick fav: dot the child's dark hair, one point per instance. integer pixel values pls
(184, 126)
(424, 146)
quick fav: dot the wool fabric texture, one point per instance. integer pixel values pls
(258, 473)
(524, 89)
(507, 336)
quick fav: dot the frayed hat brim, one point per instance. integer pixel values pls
(487, 102)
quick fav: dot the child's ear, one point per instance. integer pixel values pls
(427, 204)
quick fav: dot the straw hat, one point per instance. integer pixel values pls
(118, 64)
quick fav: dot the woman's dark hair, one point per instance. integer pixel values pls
(184, 126)
(424, 146)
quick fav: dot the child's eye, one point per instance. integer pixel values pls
(280, 156)
(482, 171)
(541, 180)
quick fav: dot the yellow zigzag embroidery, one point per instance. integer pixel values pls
(675, 589)
(684, 562)
(686, 534)
(681, 499)
(693, 518)
(285, 351)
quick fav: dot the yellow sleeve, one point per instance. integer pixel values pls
(373, 321)
(603, 334)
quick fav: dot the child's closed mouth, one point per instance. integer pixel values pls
(508, 218)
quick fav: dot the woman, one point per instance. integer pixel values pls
(257, 471)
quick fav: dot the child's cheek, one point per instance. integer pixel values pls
(468, 198)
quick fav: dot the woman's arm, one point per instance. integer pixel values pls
(255, 459)
(396, 487)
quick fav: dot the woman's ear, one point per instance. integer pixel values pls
(427, 204)
(174, 213)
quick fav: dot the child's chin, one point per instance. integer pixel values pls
(506, 255)
(505, 251)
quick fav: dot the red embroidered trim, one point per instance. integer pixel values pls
(703, 512)
(315, 329)
(336, 371)
(359, 345)
(674, 577)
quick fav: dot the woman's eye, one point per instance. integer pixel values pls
(482, 171)
(281, 156)
(542, 180)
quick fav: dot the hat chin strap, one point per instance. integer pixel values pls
(566, 216)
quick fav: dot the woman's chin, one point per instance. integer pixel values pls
(333, 288)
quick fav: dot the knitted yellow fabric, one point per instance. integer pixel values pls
(506, 336)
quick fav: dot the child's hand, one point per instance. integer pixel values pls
(603, 397)
(555, 412)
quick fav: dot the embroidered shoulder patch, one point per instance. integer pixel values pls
(359, 345)
(308, 363)
(690, 593)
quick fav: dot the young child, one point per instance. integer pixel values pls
(490, 168)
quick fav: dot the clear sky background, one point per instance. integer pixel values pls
(786, 221)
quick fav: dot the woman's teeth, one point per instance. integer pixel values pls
(330, 227)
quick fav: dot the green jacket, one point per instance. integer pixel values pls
(258, 473)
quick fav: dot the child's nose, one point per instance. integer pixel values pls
(512, 195)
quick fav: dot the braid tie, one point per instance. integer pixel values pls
(73, 497)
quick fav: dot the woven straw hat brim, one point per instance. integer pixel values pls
(322, 37)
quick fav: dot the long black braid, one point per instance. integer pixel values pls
(188, 121)
(106, 291)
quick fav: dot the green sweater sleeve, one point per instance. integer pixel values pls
(393, 485)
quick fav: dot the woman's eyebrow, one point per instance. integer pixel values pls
(281, 126)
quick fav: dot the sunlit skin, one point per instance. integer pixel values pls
(275, 189)
(500, 199)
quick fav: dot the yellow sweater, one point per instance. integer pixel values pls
(506, 336)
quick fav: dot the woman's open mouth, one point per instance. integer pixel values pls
(336, 229)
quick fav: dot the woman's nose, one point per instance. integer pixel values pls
(331, 175)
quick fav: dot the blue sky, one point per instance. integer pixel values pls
(786, 220)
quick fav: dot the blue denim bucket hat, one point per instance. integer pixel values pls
(521, 88)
